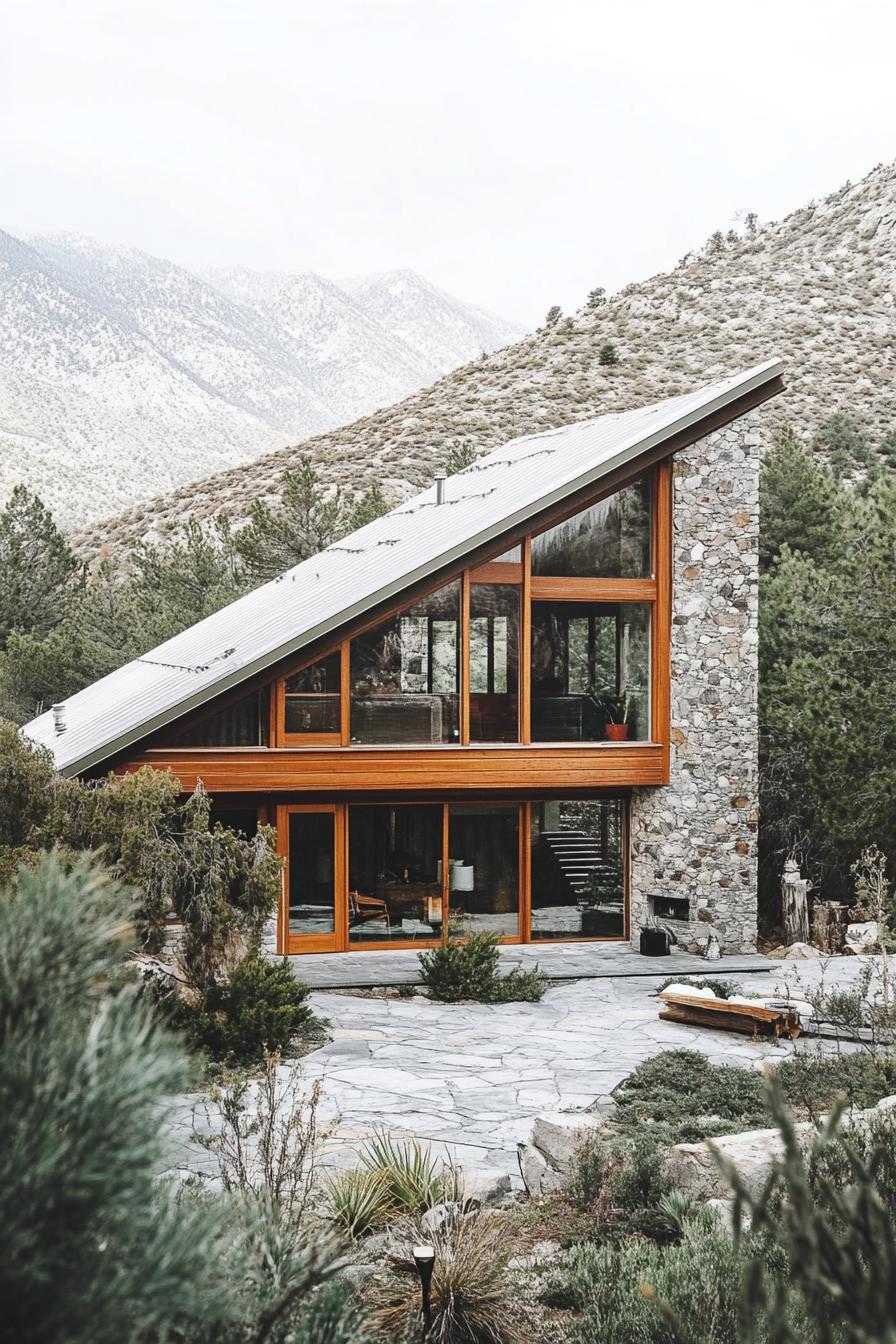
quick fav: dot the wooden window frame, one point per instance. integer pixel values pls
(655, 591)
(289, 944)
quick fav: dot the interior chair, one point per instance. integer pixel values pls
(362, 908)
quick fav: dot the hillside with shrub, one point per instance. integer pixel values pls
(815, 289)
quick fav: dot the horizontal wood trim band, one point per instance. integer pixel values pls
(497, 573)
(513, 770)
(592, 590)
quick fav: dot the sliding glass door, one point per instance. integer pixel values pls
(484, 869)
(420, 874)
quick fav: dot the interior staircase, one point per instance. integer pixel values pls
(575, 857)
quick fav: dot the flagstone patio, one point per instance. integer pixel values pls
(470, 1079)
(559, 961)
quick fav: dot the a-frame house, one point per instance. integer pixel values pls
(523, 701)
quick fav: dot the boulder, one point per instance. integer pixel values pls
(483, 1185)
(723, 1211)
(538, 1176)
(798, 952)
(863, 937)
(693, 1166)
(558, 1134)
(441, 1216)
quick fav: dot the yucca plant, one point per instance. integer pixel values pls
(415, 1180)
(359, 1200)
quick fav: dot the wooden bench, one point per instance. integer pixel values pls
(749, 1019)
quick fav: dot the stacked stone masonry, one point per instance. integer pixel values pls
(696, 839)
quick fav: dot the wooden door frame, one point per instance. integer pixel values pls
(289, 944)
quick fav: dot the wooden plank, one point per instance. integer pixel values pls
(503, 573)
(757, 1010)
(545, 589)
(464, 687)
(745, 1026)
(345, 687)
(661, 643)
(526, 646)
(526, 872)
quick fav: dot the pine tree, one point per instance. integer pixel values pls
(369, 506)
(461, 455)
(96, 1250)
(801, 504)
(841, 441)
(309, 519)
(554, 314)
(608, 355)
(828, 697)
(39, 575)
(171, 586)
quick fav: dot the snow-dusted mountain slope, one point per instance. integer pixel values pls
(442, 330)
(350, 360)
(123, 375)
(817, 290)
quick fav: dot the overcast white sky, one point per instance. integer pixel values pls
(516, 153)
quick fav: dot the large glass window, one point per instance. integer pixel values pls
(609, 540)
(405, 674)
(590, 671)
(578, 869)
(312, 699)
(494, 662)
(394, 873)
(484, 869)
(244, 723)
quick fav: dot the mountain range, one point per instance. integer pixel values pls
(817, 289)
(123, 375)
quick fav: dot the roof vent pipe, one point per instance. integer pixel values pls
(58, 718)
(440, 479)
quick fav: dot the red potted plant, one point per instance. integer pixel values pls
(616, 726)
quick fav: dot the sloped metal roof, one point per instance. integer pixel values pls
(501, 490)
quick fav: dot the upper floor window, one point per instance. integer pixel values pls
(494, 662)
(590, 671)
(242, 723)
(312, 700)
(405, 674)
(609, 540)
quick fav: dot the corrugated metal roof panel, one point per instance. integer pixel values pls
(499, 491)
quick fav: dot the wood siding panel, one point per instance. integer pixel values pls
(512, 770)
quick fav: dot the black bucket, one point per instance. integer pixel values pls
(654, 943)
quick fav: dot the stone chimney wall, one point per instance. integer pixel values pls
(696, 838)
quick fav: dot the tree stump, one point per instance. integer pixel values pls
(829, 923)
(794, 905)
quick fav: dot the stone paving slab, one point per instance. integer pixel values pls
(567, 961)
(468, 1080)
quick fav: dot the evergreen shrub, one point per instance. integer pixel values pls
(469, 969)
(257, 1011)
